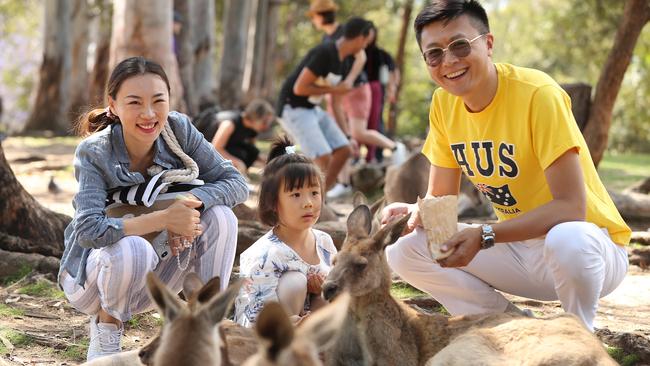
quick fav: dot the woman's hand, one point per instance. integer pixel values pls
(178, 243)
(315, 283)
(398, 209)
(182, 217)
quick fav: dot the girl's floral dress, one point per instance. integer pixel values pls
(262, 265)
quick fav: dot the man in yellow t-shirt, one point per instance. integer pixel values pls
(510, 130)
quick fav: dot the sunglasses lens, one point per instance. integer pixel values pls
(460, 48)
(433, 57)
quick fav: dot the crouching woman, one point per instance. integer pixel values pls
(128, 144)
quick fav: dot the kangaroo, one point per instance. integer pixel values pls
(189, 335)
(384, 331)
(194, 292)
(282, 345)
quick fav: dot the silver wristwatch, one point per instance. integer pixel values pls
(487, 236)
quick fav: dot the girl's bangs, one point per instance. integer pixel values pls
(296, 175)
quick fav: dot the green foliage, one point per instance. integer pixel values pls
(8, 311)
(42, 288)
(623, 358)
(619, 171)
(77, 352)
(16, 338)
(23, 271)
(402, 290)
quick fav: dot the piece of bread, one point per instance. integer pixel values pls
(440, 221)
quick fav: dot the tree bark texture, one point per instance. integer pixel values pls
(78, 90)
(635, 15)
(204, 51)
(185, 54)
(144, 28)
(393, 111)
(259, 59)
(580, 94)
(25, 225)
(99, 75)
(233, 59)
(49, 112)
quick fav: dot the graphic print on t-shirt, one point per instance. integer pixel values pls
(330, 80)
(482, 161)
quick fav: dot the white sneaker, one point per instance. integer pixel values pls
(400, 154)
(338, 190)
(105, 339)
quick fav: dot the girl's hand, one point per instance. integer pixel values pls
(182, 217)
(315, 283)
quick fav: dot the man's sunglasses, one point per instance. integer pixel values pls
(459, 48)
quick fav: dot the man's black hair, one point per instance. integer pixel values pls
(329, 17)
(448, 10)
(356, 27)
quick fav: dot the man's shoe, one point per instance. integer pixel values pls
(338, 190)
(105, 339)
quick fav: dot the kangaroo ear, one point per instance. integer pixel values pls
(359, 222)
(191, 284)
(273, 325)
(359, 199)
(324, 325)
(168, 303)
(391, 232)
(209, 290)
(216, 307)
(375, 212)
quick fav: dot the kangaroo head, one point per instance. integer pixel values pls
(360, 266)
(190, 335)
(194, 291)
(282, 345)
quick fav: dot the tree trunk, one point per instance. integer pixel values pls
(635, 16)
(25, 225)
(391, 126)
(233, 59)
(50, 109)
(270, 57)
(99, 75)
(259, 60)
(580, 94)
(185, 55)
(204, 50)
(144, 28)
(78, 89)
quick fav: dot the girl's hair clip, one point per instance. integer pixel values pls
(290, 149)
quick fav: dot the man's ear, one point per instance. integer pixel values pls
(489, 39)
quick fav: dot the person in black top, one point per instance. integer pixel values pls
(320, 73)
(383, 78)
(233, 133)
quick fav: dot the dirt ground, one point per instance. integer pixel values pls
(38, 327)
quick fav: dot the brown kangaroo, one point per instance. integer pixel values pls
(384, 331)
(189, 335)
(281, 345)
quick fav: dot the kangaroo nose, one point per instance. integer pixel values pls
(329, 290)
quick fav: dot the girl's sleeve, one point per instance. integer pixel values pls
(93, 228)
(224, 185)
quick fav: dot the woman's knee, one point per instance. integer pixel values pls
(219, 218)
(130, 250)
(292, 291)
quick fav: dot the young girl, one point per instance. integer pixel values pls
(106, 258)
(289, 263)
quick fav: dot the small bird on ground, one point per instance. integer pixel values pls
(52, 187)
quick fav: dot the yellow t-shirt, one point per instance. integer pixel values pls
(505, 148)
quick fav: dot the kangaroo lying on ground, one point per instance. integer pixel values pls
(384, 331)
(282, 345)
